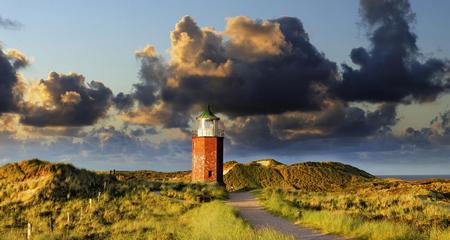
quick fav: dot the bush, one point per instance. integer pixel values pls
(194, 191)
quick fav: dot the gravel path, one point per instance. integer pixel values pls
(257, 216)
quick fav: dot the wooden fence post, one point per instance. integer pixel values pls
(29, 229)
(51, 223)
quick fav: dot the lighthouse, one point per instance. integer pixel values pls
(207, 148)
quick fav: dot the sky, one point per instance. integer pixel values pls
(114, 84)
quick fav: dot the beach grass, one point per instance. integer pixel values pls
(382, 218)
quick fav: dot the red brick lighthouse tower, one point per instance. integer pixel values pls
(207, 149)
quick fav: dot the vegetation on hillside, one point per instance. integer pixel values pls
(216, 221)
(252, 176)
(63, 202)
(380, 209)
(139, 214)
(36, 180)
(130, 208)
(311, 176)
(154, 175)
(194, 191)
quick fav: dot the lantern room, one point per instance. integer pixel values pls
(208, 125)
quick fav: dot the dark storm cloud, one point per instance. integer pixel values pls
(438, 132)
(415, 151)
(71, 102)
(123, 101)
(153, 74)
(391, 69)
(358, 122)
(335, 121)
(8, 80)
(9, 24)
(288, 81)
(266, 67)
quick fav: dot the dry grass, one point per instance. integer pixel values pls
(215, 221)
(137, 214)
(133, 208)
(403, 210)
(178, 176)
(311, 176)
(36, 180)
(194, 192)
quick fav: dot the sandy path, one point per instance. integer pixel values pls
(255, 214)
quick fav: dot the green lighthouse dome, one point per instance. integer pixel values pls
(207, 114)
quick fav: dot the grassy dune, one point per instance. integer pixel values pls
(62, 202)
(36, 180)
(367, 213)
(311, 176)
(138, 215)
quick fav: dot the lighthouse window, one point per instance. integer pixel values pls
(209, 173)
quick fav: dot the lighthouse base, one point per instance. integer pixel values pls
(207, 159)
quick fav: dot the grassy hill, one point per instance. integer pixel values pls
(41, 180)
(253, 175)
(335, 197)
(311, 176)
(33, 180)
(36, 192)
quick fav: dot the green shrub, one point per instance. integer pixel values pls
(194, 191)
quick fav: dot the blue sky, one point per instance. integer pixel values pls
(98, 39)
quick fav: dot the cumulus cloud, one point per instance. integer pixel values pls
(336, 120)
(18, 59)
(276, 92)
(14, 130)
(249, 39)
(70, 98)
(438, 132)
(263, 67)
(10, 93)
(265, 76)
(153, 74)
(67, 100)
(123, 101)
(391, 69)
(196, 51)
